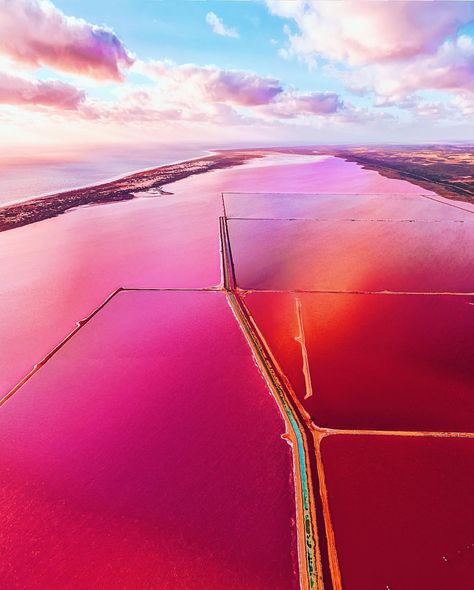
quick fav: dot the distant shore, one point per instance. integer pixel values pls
(445, 170)
(450, 188)
(122, 189)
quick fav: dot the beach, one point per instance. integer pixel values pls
(125, 188)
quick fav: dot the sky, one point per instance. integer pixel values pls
(81, 73)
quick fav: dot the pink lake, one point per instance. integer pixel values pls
(375, 362)
(369, 207)
(57, 271)
(148, 450)
(147, 453)
(370, 256)
(401, 509)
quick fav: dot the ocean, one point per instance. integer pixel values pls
(27, 175)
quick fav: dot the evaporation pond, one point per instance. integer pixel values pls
(342, 206)
(391, 362)
(401, 509)
(419, 256)
(147, 453)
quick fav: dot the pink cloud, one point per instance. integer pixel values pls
(20, 91)
(290, 104)
(450, 69)
(135, 106)
(213, 84)
(242, 88)
(36, 33)
(206, 87)
(365, 32)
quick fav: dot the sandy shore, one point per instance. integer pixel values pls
(443, 169)
(129, 187)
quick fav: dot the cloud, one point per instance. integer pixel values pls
(219, 27)
(197, 94)
(360, 32)
(390, 50)
(136, 107)
(181, 93)
(291, 104)
(242, 88)
(213, 84)
(450, 69)
(36, 33)
(463, 104)
(459, 108)
(21, 91)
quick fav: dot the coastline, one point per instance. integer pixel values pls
(444, 188)
(443, 169)
(100, 181)
(409, 165)
(121, 189)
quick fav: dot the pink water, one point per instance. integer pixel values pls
(401, 510)
(376, 362)
(147, 453)
(419, 256)
(57, 271)
(344, 207)
(35, 173)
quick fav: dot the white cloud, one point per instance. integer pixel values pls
(219, 27)
(450, 69)
(392, 50)
(360, 32)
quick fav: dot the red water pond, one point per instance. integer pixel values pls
(396, 362)
(147, 453)
(363, 255)
(401, 508)
(344, 206)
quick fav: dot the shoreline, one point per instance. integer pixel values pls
(100, 181)
(123, 188)
(406, 165)
(443, 188)
(444, 169)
